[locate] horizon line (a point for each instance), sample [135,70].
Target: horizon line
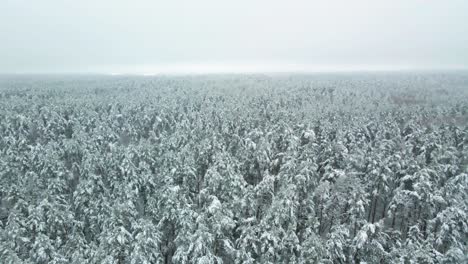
[217,69]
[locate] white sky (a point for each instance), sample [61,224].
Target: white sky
[104,36]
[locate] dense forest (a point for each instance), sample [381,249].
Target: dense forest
[325,168]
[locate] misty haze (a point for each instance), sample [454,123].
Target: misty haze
[233,132]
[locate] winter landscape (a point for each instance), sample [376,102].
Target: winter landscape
[233,132]
[287,168]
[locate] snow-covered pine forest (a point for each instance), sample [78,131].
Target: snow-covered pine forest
[344,168]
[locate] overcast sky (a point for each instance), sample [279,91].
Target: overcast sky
[120,36]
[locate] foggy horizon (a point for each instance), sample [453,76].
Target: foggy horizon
[147,37]
[248,68]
